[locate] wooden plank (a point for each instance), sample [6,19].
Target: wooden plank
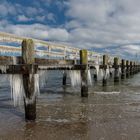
[19,69]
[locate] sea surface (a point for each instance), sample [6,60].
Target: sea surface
[109,113]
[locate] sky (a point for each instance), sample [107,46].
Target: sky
[106,26]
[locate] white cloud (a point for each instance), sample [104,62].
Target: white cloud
[23,18]
[92,23]
[38,31]
[103,23]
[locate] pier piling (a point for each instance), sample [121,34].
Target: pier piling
[131,68]
[123,69]
[29,80]
[84,75]
[116,67]
[64,78]
[127,69]
[105,63]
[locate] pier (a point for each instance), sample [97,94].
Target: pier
[27,57]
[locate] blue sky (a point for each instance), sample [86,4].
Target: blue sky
[108,26]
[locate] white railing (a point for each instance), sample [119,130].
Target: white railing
[51,49]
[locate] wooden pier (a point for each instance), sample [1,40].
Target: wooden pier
[31,59]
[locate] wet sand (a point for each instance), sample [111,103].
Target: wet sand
[63,115]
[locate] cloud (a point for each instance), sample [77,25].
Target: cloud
[38,31]
[104,25]
[23,18]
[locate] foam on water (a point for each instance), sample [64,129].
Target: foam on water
[112,92]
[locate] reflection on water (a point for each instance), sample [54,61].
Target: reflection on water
[109,113]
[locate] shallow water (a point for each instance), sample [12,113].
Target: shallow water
[109,113]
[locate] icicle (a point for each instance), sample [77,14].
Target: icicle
[100,74]
[106,73]
[37,90]
[75,77]
[14,60]
[17,90]
[43,78]
[3,68]
[97,69]
[89,78]
[120,71]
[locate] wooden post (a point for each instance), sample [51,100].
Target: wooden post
[29,80]
[116,72]
[84,75]
[127,69]
[131,68]
[105,63]
[123,70]
[64,78]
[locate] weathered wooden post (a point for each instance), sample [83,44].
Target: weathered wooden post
[116,72]
[105,63]
[123,69]
[29,80]
[64,78]
[131,68]
[127,69]
[136,68]
[84,75]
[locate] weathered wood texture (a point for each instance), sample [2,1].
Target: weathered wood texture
[64,78]
[84,76]
[127,68]
[123,69]
[116,72]
[131,68]
[29,80]
[105,63]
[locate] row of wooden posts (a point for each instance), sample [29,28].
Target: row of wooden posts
[30,68]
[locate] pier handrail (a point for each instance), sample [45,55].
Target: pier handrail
[51,49]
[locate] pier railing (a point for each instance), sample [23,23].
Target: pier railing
[50,49]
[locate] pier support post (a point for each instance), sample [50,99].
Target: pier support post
[84,73]
[64,78]
[123,69]
[105,63]
[127,69]
[116,72]
[131,68]
[29,80]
